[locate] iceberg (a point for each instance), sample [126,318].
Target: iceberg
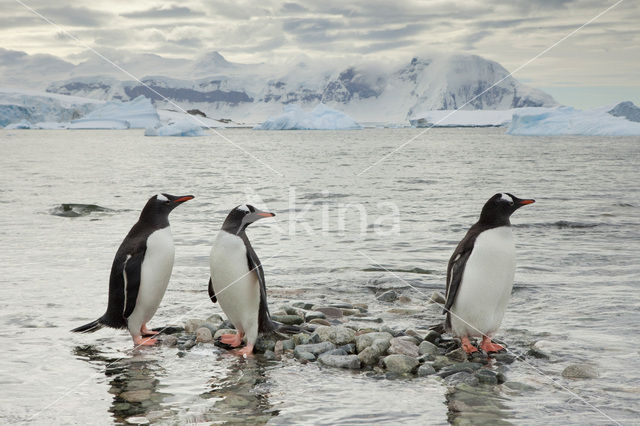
[320,118]
[136,114]
[570,121]
[469,118]
[22,124]
[184,127]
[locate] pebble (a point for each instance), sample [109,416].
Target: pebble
[187,345]
[288,319]
[440,362]
[169,341]
[300,339]
[413,333]
[370,319]
[401,364]
[432,336]
[136,395]
[349,348]
[461,377]
[427,348]
[404,347]
[329,311]
[342,305]
[580,371]
[316,348]
[320,321]
[215,319]
[264,344]
[362,307]
[519,386]
[468,367]
[191,325]
[340,361]
[371,354]
[203,334]
[301,355]
[426,370]
[348,312]
[288,345]
[270,355]
[303,305]
[487,376]
[293,311]
[314,315]
[137,420]
[338,335]
[457,355]
[366,340]
[388,296]
[437,297]
[503,358]
[212,327]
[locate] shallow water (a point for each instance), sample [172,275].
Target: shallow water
[577,290]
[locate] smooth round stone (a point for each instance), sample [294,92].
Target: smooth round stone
[338,335]
[388,296]
[487,376]
[440,362]
[215,319]
[340,361]
[169,341]
[187,345]
[320,321]
[203,334]
[367,339]
[503,358]
[269,355]
[404,347]
[523,387]
[432,336]
[136,395]
[293,311]
[137,420]
[437,297]
[343,305]
[288,319]
[301,355]
[401,364]
[461,377]
[329,311]
[212,327]
[121,406]
[191,325]
[300,339]
[580,371]
[314,315]
[264,344]
[457,355]
[427,348]
[303,305]
[426,370]
[348,312]
[316,348]
[371,354]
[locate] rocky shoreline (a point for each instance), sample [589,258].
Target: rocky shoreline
[343,335]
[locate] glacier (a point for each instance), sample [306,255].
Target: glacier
[320,118]
[184,127]
[571,121]
[466,118]
[135,114]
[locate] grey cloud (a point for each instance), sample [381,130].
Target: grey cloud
[76,16]
[158,12]
[292,8]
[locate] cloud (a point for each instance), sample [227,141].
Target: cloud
[161,12]
[76,16]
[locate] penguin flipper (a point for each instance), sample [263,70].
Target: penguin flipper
[265,324]
[132,272]
[455,269]
[212,293]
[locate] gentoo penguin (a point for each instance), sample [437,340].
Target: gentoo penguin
[237,279]
[480,275]
[140,271]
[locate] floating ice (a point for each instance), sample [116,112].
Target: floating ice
[184,127]
[320,118]
[469,118]
[138,113]
[570,121]
[22,124]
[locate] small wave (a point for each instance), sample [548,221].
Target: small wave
[561,224]
[415,270]
[77,210]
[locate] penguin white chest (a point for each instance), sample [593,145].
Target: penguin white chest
[236,287]
[486,284]
[155,273]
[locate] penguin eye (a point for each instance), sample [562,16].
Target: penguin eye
[511,203]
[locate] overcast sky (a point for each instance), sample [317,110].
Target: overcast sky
[599,64]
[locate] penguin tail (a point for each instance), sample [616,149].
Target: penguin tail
[90,327]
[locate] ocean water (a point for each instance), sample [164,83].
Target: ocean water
[340,235]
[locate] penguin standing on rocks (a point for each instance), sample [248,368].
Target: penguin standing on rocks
[140,272]
[480,275]
[237,279]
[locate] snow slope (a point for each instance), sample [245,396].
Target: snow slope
[138,113]
[368,92]
[320,118]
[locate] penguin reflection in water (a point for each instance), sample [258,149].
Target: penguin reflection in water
[140,272]
[480,275]
[237,279]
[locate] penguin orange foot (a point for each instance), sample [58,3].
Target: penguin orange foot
[234,340]
[246,351]
[146,332]
[488,346]
[468,346]
[144,341]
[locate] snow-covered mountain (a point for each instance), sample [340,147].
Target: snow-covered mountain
[368,92]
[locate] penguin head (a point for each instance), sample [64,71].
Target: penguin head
[500,207]
[242,216]
[159,206]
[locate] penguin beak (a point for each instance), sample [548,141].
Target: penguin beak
[525,202]
[259,214]
[183,198]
